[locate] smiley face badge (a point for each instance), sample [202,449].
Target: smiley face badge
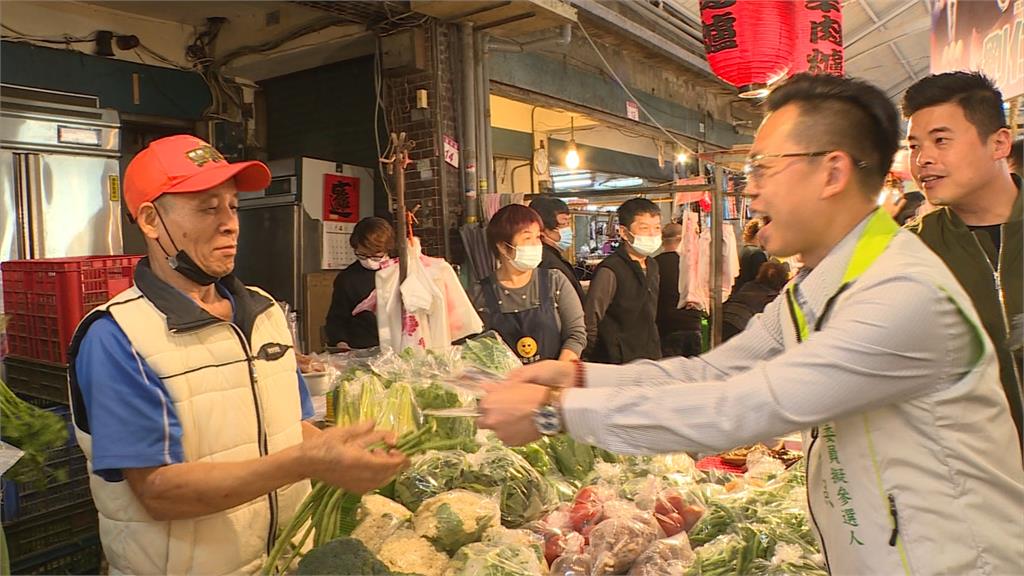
[526,347]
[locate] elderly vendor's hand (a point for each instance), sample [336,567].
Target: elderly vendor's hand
[341,457]
[508,407]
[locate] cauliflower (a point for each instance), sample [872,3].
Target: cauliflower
[520,538]
[407,553]
[378,519]
[453,519]
[496,559]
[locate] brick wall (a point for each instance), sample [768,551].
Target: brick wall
[423,182]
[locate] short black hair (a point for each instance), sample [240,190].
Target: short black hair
[844,114]
[629,210]
[549,209]
[973,92]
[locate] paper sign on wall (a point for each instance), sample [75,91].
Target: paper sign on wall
[632,110]
[341,198]
[451,152]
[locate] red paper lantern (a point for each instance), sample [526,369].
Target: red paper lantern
[819,37]
[749,43]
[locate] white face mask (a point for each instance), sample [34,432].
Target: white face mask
[526,257]
[645,245]
[372,263]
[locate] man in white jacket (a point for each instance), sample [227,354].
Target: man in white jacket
[874,351]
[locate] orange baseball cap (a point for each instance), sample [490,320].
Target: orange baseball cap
[182,164]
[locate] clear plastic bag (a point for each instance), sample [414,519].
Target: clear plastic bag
[559,538]
[428,475]
[490,558]
[517,537]
[456,518]
[581,564]
[617,542]
[378,520]
[665,557]
[525,494]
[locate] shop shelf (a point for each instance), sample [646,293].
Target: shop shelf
[47,298]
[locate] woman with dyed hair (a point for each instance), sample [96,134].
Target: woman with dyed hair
[536,311]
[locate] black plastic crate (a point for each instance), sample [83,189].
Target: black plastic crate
[83,556]
[37,380]
[70,481]
[58,527]
[23,501]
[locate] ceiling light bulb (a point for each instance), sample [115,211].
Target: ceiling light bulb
[681,157]
[572,156]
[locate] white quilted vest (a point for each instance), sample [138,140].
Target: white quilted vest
[931,485]
[232,407]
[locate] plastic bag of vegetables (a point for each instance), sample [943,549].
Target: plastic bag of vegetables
[516,537]
[456,518]
[378,519]
[665,557]
[573,564]
[488,352]
[406,553]
[435,395]
[559,537]
[789,559]
[428,475]
[525,494]
[574,459]
[396,410]
[495,559]
[617,542]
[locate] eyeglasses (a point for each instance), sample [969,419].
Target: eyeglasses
[755,172]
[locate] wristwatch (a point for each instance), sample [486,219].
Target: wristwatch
[548,418]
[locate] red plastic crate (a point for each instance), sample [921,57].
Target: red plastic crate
[47,298]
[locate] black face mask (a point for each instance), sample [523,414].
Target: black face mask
[182,263]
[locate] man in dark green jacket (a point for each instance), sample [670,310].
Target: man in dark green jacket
[959,143]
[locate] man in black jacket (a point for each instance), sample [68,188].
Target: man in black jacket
[959,142]
[680,328]
[556,237]
[622,302]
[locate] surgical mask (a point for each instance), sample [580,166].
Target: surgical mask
[526,257]
[645,245]
[182,263]
[564,238]
[371,263]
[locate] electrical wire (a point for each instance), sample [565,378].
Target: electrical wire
[378,105]
[622,85]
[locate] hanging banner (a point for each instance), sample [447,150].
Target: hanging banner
[987,36]
[819,37]
[341,198]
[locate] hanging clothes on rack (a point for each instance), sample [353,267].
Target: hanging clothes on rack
[695,263]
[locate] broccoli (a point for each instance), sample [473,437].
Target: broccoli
[344,556]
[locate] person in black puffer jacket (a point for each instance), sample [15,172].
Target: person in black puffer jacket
[752,297]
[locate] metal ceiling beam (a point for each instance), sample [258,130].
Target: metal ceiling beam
[888,37]
[880,23]
[877,23]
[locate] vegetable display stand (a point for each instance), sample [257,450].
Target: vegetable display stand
[47,298]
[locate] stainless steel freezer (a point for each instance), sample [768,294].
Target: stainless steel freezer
[60,190]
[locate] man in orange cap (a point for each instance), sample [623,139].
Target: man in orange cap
[185,392]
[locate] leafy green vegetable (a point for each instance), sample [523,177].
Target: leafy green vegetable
[35,432]
[429,475]
[525,494]
[436,396]
[538,457]
[344,556]
[490,353]
[573,459]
